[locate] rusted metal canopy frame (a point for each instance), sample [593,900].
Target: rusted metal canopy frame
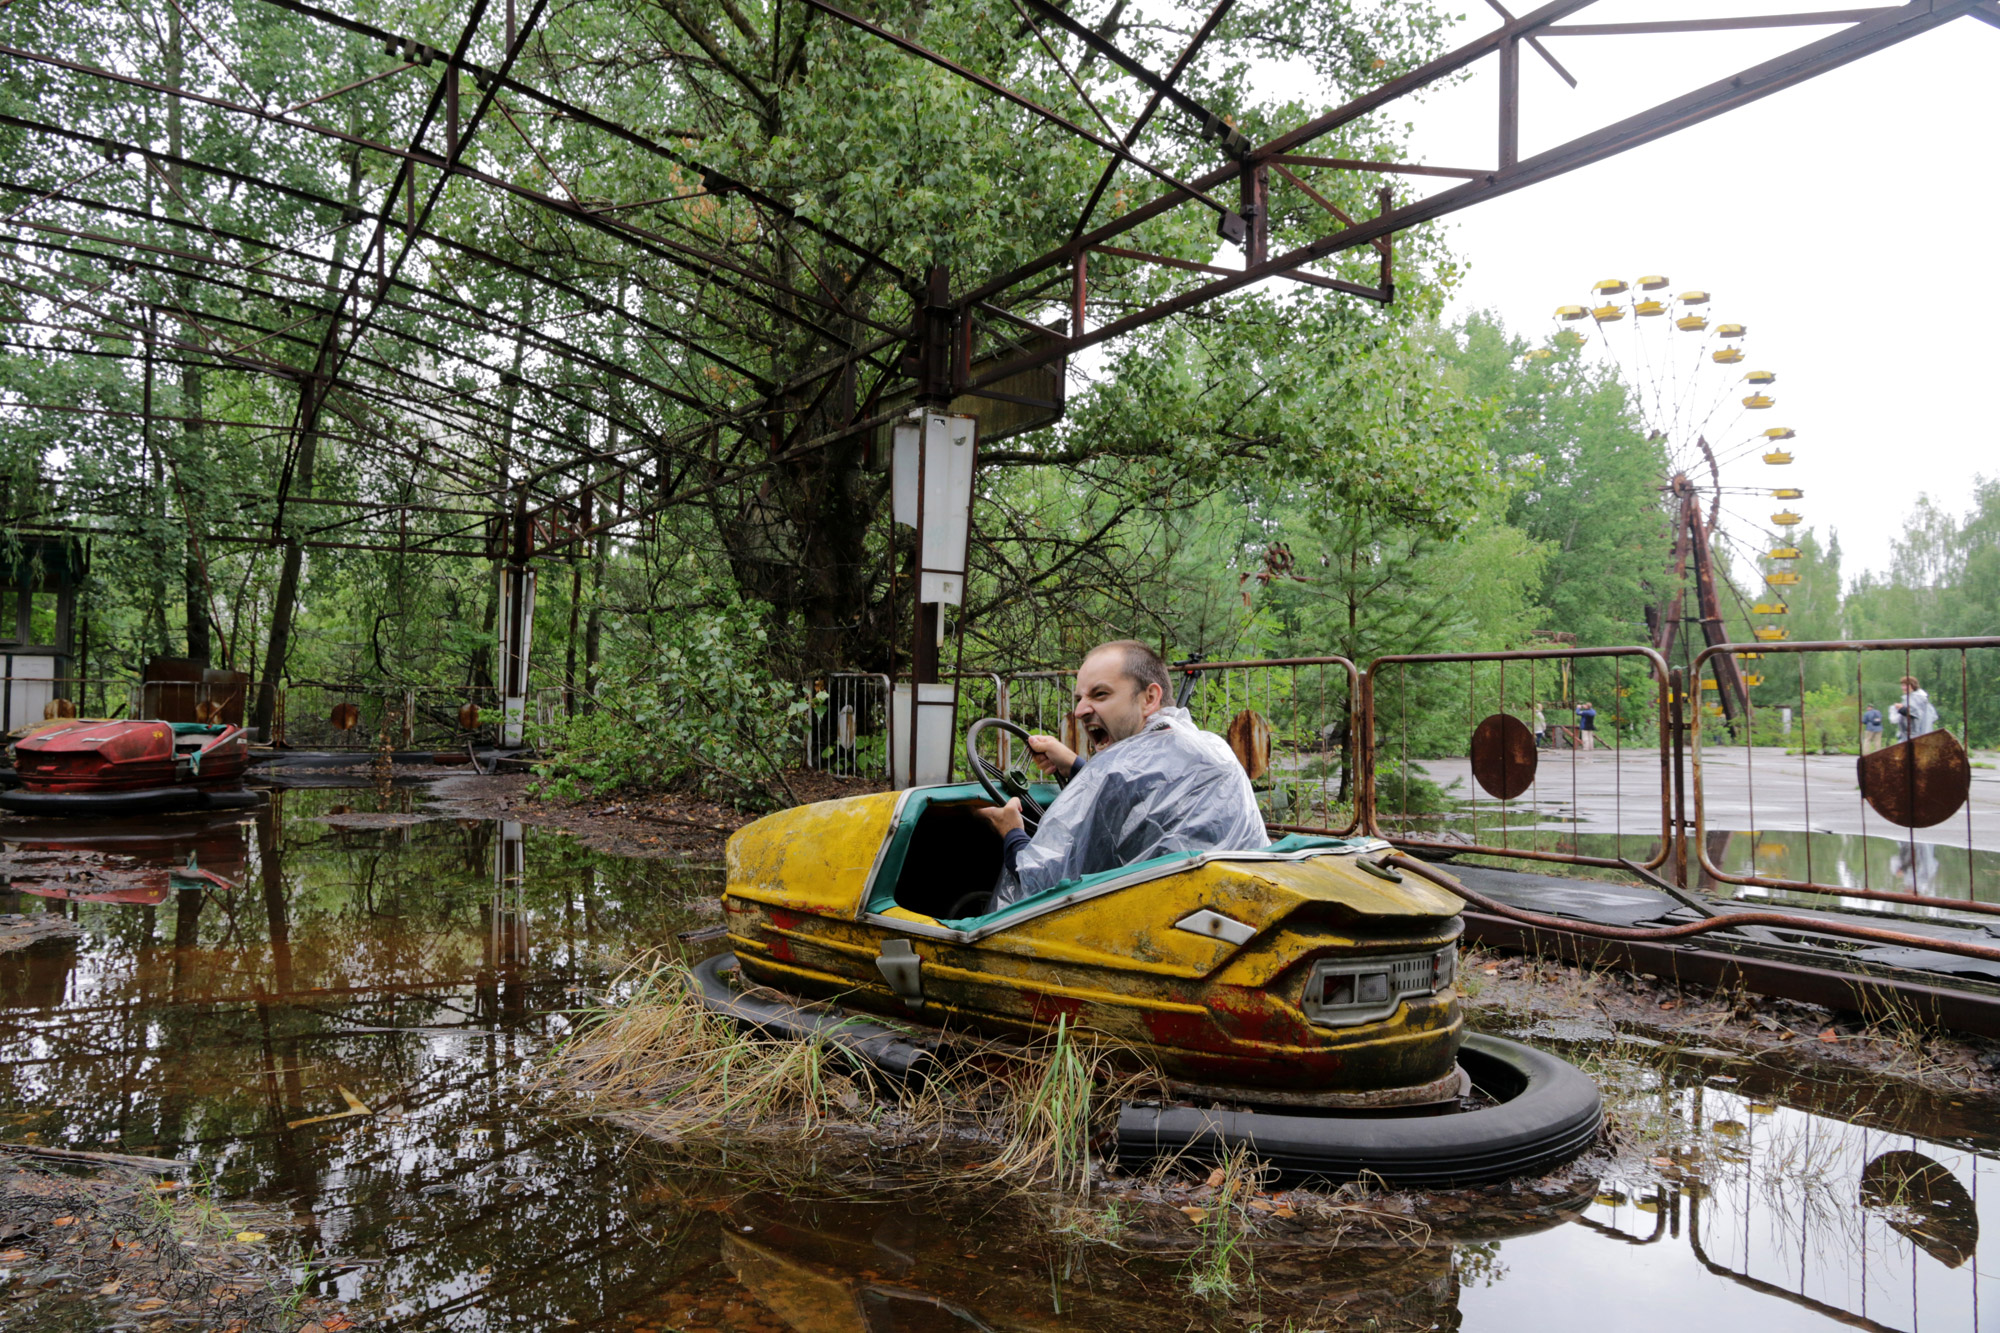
[355,272]
[1655,664]
[692,261]
[1885,28]
[418,403]
[1871,30]
[471,318]
[206,358]
[1808,885]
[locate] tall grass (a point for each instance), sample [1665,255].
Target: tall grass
[662,1060]
[663,1057]
[1221,1266]
[1051,1106]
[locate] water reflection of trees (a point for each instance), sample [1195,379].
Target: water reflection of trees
[386,961]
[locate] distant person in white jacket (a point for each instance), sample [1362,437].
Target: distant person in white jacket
[1156,784]
[1920,716]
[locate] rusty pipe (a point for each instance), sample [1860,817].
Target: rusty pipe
[1784,920]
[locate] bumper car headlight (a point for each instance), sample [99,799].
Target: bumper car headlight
[1343,992]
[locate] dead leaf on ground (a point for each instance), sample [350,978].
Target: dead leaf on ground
[1215,1177]
[12,1256]
[1284,1210]
[150,1303]
[249,1237]
[62,1221]
[1261,1206]
[1195,1214]
[355,1106]
[1829,1035]
[109,1289]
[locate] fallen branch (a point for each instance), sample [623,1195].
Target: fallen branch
[158,1165]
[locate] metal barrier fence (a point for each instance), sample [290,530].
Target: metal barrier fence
[852,729]
[1802,797]
[1289,721]
[1512,805]
[318,716]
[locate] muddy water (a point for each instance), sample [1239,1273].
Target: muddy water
[338,1019]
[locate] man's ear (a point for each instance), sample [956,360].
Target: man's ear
[1156,698]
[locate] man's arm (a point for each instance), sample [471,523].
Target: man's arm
[1006,821]
[1052,756]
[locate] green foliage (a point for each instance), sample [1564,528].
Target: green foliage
[1943,580]
[704,716]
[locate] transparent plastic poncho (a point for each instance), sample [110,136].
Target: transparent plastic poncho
[1170,788]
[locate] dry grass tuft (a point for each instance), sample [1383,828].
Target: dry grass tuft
[662,1061]
[663,1057]
[1053,1098]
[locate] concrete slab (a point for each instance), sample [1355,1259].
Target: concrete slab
[1742,789]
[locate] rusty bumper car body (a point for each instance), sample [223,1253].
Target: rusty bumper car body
[1298,974]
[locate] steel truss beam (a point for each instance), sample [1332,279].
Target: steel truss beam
[929,352]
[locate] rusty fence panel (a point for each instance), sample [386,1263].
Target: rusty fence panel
[1288,719]
[319,716]
[359,717]
[1801,800]
[852,728]
[1503,734]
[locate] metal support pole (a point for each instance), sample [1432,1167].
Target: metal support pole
[1677,725]
[517,626]
[1254,197]
[1510,103]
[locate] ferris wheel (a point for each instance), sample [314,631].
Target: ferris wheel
[1709,406]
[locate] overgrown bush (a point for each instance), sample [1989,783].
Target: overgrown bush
[1400,790]
[703,716]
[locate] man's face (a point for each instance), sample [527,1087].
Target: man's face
[1109,706]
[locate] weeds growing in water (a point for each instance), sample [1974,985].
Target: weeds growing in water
[1221,1267]
[1050,1108]
[679,1067]
[668,1063]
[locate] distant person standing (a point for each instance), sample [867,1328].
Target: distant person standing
[1871,729]
[1919,715]
[1541,729]
[1586,724]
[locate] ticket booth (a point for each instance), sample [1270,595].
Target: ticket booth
[37,620]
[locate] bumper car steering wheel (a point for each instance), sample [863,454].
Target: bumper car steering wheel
[1003,786]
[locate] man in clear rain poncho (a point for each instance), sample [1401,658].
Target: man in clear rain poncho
[1156,783]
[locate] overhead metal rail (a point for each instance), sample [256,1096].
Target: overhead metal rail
[684,418]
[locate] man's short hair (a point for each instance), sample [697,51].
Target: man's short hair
[1143,666]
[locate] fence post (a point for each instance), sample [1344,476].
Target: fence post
[409,718]
[1677,724]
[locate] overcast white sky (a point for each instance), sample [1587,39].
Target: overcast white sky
[1849,221]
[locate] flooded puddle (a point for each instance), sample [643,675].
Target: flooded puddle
[335,1008]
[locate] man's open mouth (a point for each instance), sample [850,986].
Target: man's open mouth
[1098,735]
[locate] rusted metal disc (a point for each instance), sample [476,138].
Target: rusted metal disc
[1503,756]
[1925,1202]
[345,716]
[1250,739]
[468,718]
[1919,782]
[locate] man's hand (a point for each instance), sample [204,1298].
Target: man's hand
[1004,818]
[1051,755]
